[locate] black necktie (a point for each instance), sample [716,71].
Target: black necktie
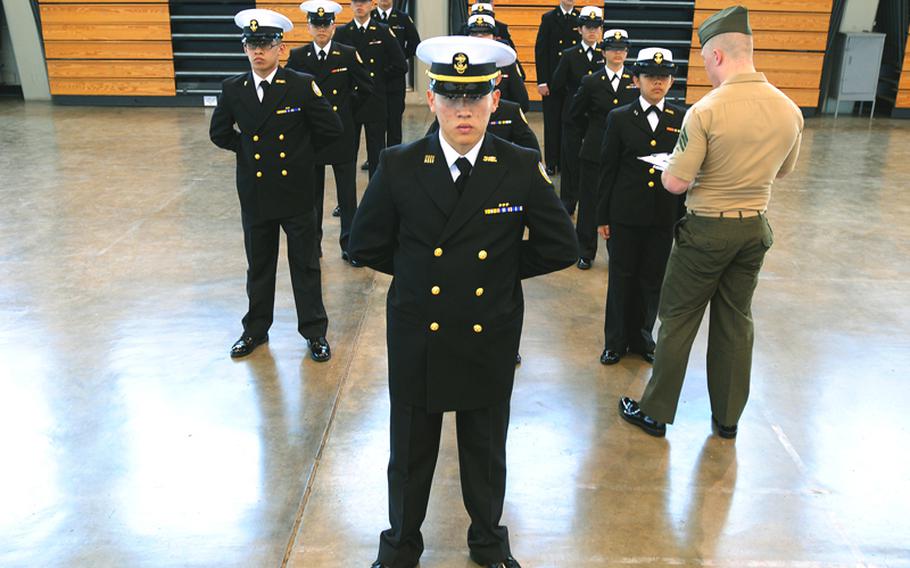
[464,166]
[590,53]
[384,17]
[653,109]
[265,89]
[363,30]
[321,56]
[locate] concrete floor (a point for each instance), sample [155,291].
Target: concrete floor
[129,438]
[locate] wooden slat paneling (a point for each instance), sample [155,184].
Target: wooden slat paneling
[96,69]
[121,87]
[783,40]
[802,97]
[903,93]
[102,47]
[777,21]
[769,5]
[774,60]
[903,99]
[108,49]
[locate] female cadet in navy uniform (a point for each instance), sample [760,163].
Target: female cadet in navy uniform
[636,214]
[445,216]
[608,88]
[280,113]
[576,62]
[344,81]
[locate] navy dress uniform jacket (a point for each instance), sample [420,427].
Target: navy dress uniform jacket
[405,32]
[509,123]
[631,192]
[593,101]
[345,83]
[275,144]
[455,305]
[383,58]
[512,86]
[573,67]
[555,34]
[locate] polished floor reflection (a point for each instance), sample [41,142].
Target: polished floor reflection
[130,438]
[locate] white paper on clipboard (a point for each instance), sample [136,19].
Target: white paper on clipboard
[660,161]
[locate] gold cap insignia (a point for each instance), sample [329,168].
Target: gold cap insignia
[320,12]
[617,36]
[460,63]
[254,25]
[658,58]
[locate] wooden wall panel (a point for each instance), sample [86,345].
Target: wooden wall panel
[903,88]
[106,47]
[790,38]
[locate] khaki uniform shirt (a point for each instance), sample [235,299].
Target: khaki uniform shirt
[734,142]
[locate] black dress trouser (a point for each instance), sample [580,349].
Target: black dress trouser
[552,129]
[415,437]
[260,239]
[638,259]
[569,164]
[346,194]
[394,114]
[588,197]
[375,134]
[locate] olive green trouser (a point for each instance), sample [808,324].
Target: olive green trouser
[717,261]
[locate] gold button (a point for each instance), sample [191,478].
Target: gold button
[437,252]
[259,174]
[615,101]
[435,290]
[255,138]
[560,41]
[653,142]
[335,108]
[650,184]
[372,60]
[372,74]
[589,71]
[334,91]
[651,171]
[482,255]
[256,156]
[281,136]
[282,155]
[285,172]
[478,328]
[434,326]
[478,292]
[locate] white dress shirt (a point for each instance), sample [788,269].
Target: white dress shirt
[614,77]
[451,154]
[653,119]
[326,49]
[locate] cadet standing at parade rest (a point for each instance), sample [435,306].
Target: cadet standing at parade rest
[445,216]
[281,115]
[343,80]
[608,88]
[404,30]
[734,143]
[636,214]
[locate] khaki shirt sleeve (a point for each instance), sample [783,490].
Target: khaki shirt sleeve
[691,148]
[790,162]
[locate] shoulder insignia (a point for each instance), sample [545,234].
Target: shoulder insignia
[359,60]
[625,76]
[280,81]
[316,90]
[336,53]
[603,77]
[670,111]
[429,159]
[491,159]
[523,117]
[410,19]
[518,71]
[245,83]
[392,32]
[543,172]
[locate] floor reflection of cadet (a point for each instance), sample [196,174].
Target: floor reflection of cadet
[344,81]
[446,215]
[599,93]
[405,32]
[511,82]
[280,114]
[576,62]
[384,60]
[734,143]
[558,30]
[636,214]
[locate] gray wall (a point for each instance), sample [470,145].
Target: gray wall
[9,74]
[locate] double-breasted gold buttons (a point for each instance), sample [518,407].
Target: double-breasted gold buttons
[259,174]
[435,290]
[434,326]
[282,155]
[281,136]
[478,328]
[256,156]
[650,184]
[478,292]
[653,142]
[482,255]
[437,252]
[255,138]
[284,172]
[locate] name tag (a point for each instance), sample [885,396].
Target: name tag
[287,110]
[502,210]
[339,70]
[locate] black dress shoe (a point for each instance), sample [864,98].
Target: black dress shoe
[365,166]
[507,563]
[319,349]
[632,414]
[728,432]
[245,345]
[518,358]
[609,357]
[347,258]
[648,356]
[336,212]
[584,263]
